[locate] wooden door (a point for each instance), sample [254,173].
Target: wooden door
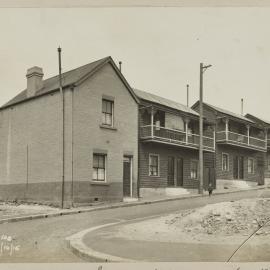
[260,168]
[179,173]
[127,177]
[170,179]
[238,167]
[235,167]
[241,167]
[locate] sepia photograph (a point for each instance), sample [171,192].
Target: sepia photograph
[135,134]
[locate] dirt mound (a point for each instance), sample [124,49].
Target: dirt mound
[227,218]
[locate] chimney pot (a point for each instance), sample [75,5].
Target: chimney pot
[34,80]
[120,66]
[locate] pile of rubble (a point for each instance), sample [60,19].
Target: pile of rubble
[225,222]
[241,217]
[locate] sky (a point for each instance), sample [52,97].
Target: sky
[161,50]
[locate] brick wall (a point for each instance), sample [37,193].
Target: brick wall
[33,125]
[30,151]
[89,137]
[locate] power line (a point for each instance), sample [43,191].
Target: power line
[248,239]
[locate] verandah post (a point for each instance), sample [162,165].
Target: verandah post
[248,127]
[214,138]
[186,128]
[152,122]
[226,128]
[266,139]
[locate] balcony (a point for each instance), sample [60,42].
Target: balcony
[175,137]
[241,140]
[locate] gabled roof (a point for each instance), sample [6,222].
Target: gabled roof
[69,78]
[223,111]
[164,101]
[258,119]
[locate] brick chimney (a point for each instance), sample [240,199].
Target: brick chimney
[34,80]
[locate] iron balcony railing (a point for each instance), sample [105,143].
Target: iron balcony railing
[240,139]
[174,136]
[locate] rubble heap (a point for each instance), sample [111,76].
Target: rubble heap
[230,218]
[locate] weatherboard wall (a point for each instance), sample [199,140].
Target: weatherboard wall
[164,152]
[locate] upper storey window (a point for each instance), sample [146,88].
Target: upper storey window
[107,112]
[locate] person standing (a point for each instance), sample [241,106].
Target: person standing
[210,189]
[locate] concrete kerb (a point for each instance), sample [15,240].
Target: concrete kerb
[114,206]
[77,246]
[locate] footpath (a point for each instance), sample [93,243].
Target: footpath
[14,212]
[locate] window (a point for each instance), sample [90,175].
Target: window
[225,162]
[107,112]
[194,169]
[153,165]
[99,167]
[251,165]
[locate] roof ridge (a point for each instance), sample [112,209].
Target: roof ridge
[71,70]
[226,110]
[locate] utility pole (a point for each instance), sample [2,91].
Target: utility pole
[200,188]
[62,127]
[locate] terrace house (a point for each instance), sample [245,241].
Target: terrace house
[240,146]
[265,124]
[168,146]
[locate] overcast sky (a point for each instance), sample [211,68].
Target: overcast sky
[161,49]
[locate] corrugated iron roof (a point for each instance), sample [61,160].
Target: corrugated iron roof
[235,115]
[164,101]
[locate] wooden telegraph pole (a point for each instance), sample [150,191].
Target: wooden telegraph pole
[200,188]
[62,127]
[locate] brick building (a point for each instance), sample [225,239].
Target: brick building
[240,146]
[168,146]
[101,137]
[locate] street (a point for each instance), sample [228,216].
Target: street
[43,240]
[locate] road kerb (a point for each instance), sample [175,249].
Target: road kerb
[107,207]
[75,243]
